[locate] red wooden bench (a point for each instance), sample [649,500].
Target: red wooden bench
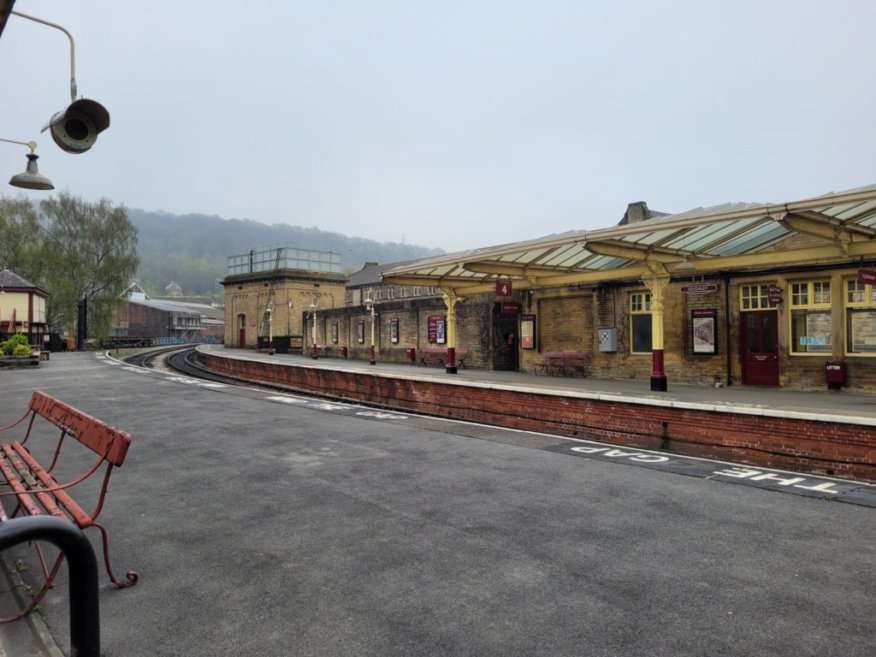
[563,363]
[438,356]
[34,488]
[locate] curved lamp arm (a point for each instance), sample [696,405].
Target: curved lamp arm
[72,48]
[30,144]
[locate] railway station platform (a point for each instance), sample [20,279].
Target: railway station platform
[820,431]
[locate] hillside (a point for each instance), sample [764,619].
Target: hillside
[192,250]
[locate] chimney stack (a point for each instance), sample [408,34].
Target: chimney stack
[635,213]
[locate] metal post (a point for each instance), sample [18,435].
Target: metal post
[314,351]
[82,324]
[373,352]
[84,601]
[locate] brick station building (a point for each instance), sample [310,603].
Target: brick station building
[780,294]
[739,294]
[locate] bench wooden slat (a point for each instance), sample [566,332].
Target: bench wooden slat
[52,500]
[98,436]
[12,473]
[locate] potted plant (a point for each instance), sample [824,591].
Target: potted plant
[17,352]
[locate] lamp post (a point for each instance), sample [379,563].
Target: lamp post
[31,177]
[269,311]
[314,304]
[369,305]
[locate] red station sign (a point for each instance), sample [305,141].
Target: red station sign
[504,287]
[699,288]
[774,295]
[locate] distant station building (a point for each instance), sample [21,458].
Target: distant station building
[141,319]
[274,296]
[22,308]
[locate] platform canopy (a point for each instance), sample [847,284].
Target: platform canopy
[837,227]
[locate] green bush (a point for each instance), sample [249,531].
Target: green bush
[19,339]
[21,350]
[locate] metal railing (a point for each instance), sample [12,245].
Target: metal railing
[84,602]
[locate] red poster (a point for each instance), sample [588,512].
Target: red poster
[437,326]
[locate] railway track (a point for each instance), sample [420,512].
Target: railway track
[184,361]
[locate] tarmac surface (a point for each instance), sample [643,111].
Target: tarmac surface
[367,534]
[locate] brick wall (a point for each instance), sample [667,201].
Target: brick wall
[794,444]
[567,319]
[473,329]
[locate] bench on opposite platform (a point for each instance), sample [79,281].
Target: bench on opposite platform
[438,356]
[563,363]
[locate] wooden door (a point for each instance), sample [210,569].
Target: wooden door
[760,348]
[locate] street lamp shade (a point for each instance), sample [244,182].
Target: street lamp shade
[31,178]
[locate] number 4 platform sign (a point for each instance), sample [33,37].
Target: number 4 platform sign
[504,287]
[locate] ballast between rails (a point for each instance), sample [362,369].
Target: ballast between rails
[184,361]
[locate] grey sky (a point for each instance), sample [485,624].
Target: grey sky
[449,124]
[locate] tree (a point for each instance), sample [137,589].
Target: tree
[89,252]
[19,237]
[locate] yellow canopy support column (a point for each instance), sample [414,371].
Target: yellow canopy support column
[450,300]
[656,283]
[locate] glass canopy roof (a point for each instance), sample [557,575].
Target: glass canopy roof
[706,239]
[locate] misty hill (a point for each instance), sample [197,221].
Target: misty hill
[193,249]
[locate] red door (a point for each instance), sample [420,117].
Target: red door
[241,331]
[760,348]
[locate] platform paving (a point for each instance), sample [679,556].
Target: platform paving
[71,376]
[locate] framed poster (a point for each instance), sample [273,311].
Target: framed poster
[360,331]
[437,329]
[704,331]
[393,330]
[335,332]
[527,331]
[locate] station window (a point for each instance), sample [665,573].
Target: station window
[754,297]
[640,322]
[860,302]
[811,323]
